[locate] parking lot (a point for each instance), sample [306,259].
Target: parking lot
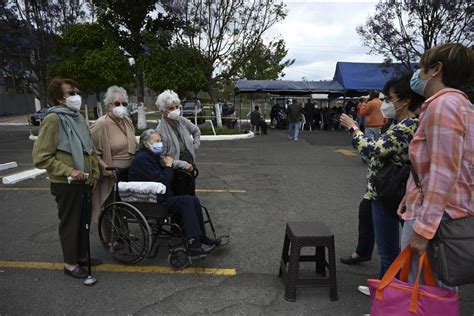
[252,189]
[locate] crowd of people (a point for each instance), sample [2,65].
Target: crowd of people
[78,160]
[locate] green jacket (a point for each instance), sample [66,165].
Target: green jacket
[57,163]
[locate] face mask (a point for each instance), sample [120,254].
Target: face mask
[74,102]
[418,85]
[157,148]
[388,109]
[119,111]
[174,114]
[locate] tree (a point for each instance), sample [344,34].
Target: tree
[89,55]
[227,33]
[179,68]
[403,30]
[134,25]
[266,62]
[31,28]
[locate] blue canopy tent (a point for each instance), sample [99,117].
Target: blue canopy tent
[285,87]
[357,78]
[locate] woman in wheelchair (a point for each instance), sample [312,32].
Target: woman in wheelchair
[150,165]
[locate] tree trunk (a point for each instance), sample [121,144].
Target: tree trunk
[141,124]
[100,111]
[211,89]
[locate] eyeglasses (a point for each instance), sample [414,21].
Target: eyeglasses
[125,104]
[73,92]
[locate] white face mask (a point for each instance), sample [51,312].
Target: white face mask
[388,109]
[174,115]
[74,102]
[119,111]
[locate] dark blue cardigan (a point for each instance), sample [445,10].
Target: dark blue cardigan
[146,167]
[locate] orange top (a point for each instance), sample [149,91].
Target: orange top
[372,113]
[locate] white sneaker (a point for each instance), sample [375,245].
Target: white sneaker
[364,290]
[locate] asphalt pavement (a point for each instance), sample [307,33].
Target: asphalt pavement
[251,187]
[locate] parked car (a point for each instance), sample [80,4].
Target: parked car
[192,107]
[38,116]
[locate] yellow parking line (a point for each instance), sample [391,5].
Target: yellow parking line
[224,163]
[118,268]
[24,189]
[221,191]
[346,152]
[197,190]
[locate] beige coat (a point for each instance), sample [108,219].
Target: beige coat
[101,144]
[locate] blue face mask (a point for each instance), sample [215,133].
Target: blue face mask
[418,85]
[157,148]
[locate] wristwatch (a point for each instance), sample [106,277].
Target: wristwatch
[353,129]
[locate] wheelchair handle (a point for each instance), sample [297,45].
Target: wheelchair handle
[195,173]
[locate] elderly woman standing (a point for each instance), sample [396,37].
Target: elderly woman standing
[441,152]
[114,139]
[64,148]
[181,138]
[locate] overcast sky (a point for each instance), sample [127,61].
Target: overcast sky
[320,33]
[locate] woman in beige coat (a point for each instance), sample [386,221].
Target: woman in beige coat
[114,139]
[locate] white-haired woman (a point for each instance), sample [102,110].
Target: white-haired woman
[181,138]
[114,139]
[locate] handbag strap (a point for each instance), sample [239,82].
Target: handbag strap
[417,182]
[430,280]
[402,263]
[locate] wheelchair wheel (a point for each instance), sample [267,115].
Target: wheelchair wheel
[178,258]
[124,232]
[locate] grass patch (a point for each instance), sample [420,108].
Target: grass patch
[219,131]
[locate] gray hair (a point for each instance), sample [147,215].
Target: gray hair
[145,138]
[112,91]
[166,99]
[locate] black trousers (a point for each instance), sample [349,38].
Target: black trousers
[72,220]
[188,209]
[366,239]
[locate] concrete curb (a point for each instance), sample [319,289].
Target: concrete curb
[13,124]
[227,137]
[28,174]
[8,165]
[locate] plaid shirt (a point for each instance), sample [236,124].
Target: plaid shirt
[442,153]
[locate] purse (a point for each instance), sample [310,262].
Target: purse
[393,297]
[451,250]
[390,183]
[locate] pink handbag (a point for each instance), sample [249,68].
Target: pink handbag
[391,296]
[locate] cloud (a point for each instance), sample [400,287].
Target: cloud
[318,34]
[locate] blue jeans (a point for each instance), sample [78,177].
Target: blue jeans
[294,130]
[387,235]
[372,132]
[407,233]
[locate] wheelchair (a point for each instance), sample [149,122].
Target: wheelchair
[132,231]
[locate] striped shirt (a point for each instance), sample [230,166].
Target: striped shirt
[442,153]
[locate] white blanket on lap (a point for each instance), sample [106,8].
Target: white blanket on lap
[140,191]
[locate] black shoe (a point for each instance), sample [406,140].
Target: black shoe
[354,260]
[77,273]
[210,241]
[94,262]
[198,249]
